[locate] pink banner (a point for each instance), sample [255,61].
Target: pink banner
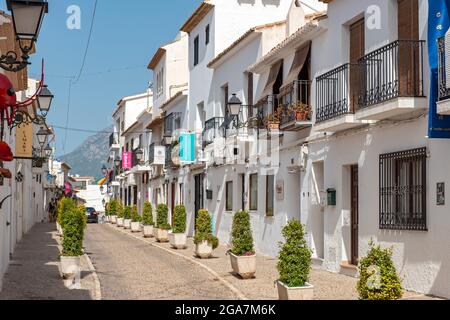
[127,160]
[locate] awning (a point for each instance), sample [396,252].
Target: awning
[273,75]
[301,55]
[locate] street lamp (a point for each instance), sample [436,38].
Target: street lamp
[102,189]
[48,151]
[117,162]
[234,105]
[27,16]
[42,136]
[44,101]
[104,170]
[139,155]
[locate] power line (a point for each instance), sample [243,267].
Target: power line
[95,131]
[88,42]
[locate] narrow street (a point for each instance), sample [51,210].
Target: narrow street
[132,270]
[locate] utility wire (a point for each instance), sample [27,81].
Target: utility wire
[95,131]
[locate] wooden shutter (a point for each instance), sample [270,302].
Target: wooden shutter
[408,51]
[357,51]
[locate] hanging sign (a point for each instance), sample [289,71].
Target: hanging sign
[24,141]
[187,147]
[127,160]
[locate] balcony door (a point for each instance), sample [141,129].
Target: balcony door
[357,51]
[408,56]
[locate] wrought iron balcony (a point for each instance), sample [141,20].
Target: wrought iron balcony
[295,102]
[444,70]
[170,123]
[212,130]
[247,119]
[113,139]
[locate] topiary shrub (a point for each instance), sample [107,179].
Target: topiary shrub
[74,225]
[64,205]
[378,277]
[179,219]
[203,230]
[294,264]
[127,212]
[135,215]
[162,213]
[120,210]
[241,234]
[112,207]
[107,213]
[147,215]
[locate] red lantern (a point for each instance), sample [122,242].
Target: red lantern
[7,98]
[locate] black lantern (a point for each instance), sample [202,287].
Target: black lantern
[102,189]
[117,162]
[167,140]
[48,151]
[234,105]
[104,170]
[42,136]
[104,202]
[27,18]
[139,155]
[44,101]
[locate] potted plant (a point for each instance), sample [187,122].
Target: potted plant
[379,279]
[74,222]
[147,220]
[112,210]
[107,216]
[162,227]
[177,237]
[242,253]
[301,111]
[127,217]
[294,264]
[64,205]
[272,121]
[205,241]
[136,220]
[120,215]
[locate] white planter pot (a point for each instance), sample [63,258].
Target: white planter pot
[299,293]
[178,240]
[244,266]
[114,219]
[135,227]
[203,250]
[70,266]
[127,223]
[120,222]
[162,235]
[148,231]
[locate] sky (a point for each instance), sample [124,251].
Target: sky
[124,38]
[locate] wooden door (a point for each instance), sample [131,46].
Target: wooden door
[198,202]
[354,215]
[172,201]
[408,55]
[357,51]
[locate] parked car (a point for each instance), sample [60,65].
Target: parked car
[92,215]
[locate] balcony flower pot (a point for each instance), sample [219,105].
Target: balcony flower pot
[127,223]
[203,250]
[135,227]
[114,219]
[178,240]
[70,266]
[244,266]
[148,231]
[162,235]
[273,125]
[295,293]
[301,116]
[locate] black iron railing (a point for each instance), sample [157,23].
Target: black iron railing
[444,86]
[395,70]
[333,93]
[114,139]
[247,119]
[295,101]
[266,106]
[212,130]
[171,124]
[134,160]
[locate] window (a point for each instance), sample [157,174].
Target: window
[229,196]
[207,35]
[403,190]
[254,192]
[225,100]
[270,193]
[196,50]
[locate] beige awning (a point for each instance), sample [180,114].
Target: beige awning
[273,75]
[297,65]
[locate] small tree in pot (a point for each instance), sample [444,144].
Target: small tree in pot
[127,217]
[162,225]
[177,237]
[136,220]
[242,253]
[112,210]
[64,206]
[147,220]
[120,214]
[294,265]
[205,241]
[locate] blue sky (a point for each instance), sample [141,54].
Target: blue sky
[125,36]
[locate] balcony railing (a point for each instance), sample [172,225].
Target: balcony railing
[151,153]
[295,101]
[212,130]
[113,139]
[395,70]
[134,160]
[444,70]
[247,119]
[170,124]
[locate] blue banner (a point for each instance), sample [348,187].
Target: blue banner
[438,25]
[187,147]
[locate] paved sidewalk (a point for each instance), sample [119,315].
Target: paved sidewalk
[34,274]
[328,286]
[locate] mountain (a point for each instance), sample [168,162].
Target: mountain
[89,157]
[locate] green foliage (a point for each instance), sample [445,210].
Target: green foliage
[64,205]
[120,210]
[203,230]
[179,219]
[378,277]
[113,207]
[74,220]
[241,234]
[147,215]
[107,209]
[127,212]
[294,263]
[162,213]
[135,215]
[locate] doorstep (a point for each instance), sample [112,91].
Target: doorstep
[349,269]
